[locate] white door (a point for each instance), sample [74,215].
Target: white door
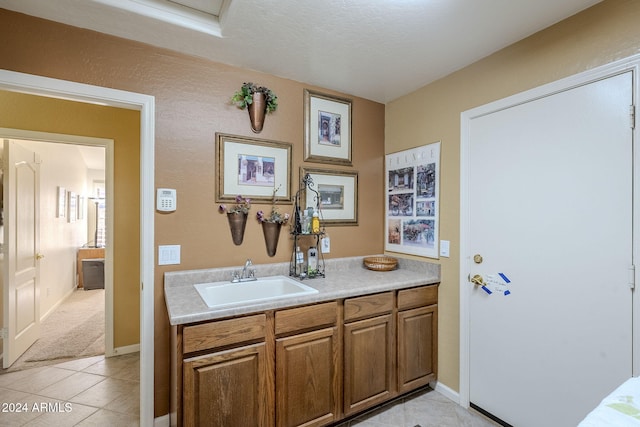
[550,215]
[21,216]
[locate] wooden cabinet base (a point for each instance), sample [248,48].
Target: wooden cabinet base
[417,356]
[305,366]
[216,392]
[306,379]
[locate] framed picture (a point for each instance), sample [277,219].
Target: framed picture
[327,128]
[337,192]
[412,201]
[62,203]
[73,207]
[253,168]
[81,207]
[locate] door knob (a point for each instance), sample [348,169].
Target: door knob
[39,256]
[477,280]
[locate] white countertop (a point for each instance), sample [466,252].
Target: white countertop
[345,277]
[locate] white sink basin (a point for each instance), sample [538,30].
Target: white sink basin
[224,294]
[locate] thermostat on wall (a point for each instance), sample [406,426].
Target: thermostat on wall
[166,200]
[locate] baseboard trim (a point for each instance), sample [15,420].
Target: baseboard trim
[163,421]
[446,391]
[56,305]
[119,351]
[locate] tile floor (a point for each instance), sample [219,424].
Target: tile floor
[94,391]
[426,408]
[97,391]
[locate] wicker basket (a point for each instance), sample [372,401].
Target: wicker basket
[380,263]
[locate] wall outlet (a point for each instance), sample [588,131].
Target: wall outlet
[444,248]
[325,246]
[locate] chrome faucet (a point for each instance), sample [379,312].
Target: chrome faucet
[247,274]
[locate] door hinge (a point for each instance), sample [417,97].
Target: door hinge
[4,333]
[632,277]
[632,115]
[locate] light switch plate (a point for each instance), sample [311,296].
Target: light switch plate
[444,248]
[168,254]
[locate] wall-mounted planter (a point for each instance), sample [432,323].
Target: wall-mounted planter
[237,224]
[259,100]
[271,231]
[257,111]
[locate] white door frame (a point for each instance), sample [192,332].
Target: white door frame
[145,104]
[628,64]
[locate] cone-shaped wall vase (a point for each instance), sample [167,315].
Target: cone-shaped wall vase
[257,111]
[271,231]
[237,223]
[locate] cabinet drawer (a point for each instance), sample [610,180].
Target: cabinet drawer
[367,306]
[223,332]
[301,318]
[417,297]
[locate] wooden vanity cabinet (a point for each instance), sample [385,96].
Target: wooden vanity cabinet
[305,366]
[369,351]
[226,378]
[308,375]
[417,337]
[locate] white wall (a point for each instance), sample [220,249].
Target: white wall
[62,165]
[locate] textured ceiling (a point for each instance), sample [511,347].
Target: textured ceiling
[375,49]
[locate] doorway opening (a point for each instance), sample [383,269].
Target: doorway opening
[74,288]
[145,106]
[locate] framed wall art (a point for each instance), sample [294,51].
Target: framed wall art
[73,207]
[327,128]
[253,168]
[412,201]
[61,208]
[338,193]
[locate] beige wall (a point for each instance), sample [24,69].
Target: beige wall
[191,99]
[599,35]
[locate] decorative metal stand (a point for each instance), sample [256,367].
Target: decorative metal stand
[301,235]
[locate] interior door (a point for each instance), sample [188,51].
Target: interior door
[21,225]
[550,220]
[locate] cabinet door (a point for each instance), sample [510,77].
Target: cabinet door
[369,363]
[228,389]
[417,347]
[307,381]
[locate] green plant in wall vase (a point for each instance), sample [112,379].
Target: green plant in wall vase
[258,100]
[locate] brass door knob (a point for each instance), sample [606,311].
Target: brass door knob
[477,280]
[39,256]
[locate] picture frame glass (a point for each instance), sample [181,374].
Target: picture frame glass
[337,193]
[253,168]
[327,129]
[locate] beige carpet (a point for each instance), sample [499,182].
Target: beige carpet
[74,330]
